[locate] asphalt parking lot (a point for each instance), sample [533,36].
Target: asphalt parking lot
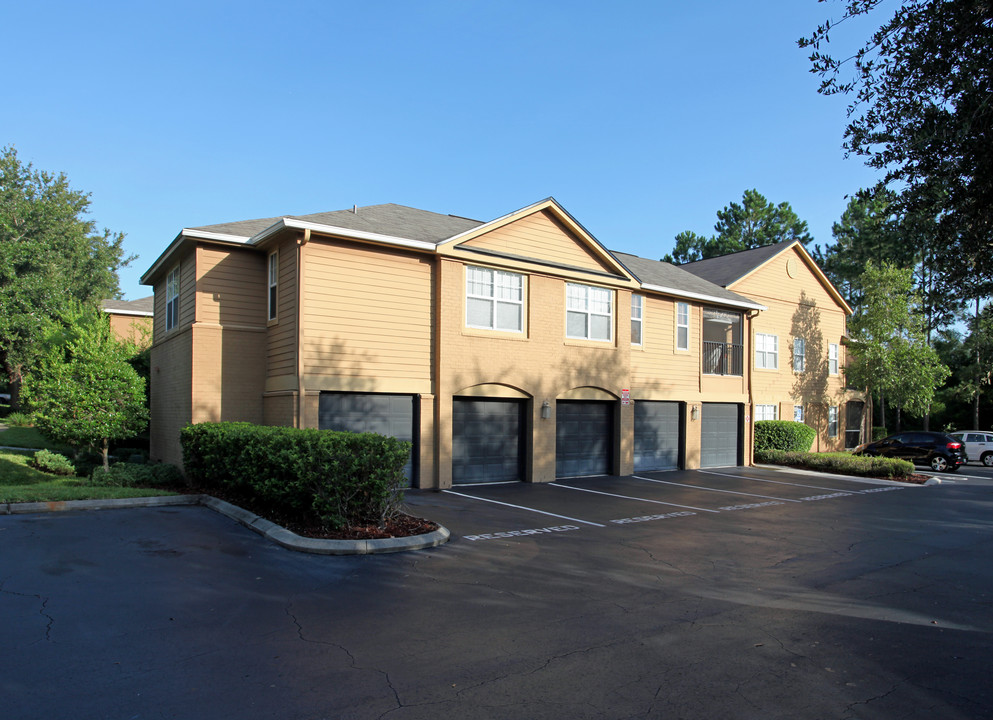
[744,593]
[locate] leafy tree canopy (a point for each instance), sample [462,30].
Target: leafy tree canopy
[51,255]
[921,90]
[756,222]
[84,391]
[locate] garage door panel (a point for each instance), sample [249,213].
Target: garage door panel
[487,442]
[583,438]
[390,415]
[720,432]
[657,435]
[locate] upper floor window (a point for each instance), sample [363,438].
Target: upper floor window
[494,299]
[722,348]
[766,351]
[765,412]
[637,318]
[682,326]
[273,283]
[833,359]
[799,355]
[172,298]
[589,312]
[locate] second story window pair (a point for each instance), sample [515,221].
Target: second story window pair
[494,299]
[589,312]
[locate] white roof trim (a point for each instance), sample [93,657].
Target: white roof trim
[205,235]
[701,296]
[335,230]
[139,313]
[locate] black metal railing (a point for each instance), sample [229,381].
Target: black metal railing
[722,358]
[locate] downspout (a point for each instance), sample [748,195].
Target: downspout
[750,315]
[301,391]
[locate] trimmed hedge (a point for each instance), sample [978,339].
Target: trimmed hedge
[842,463]
[127,474]
[53,463]
[344,479]
[784,435]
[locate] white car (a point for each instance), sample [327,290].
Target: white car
[978,445]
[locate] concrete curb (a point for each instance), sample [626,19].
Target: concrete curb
[855,478]
[269,530]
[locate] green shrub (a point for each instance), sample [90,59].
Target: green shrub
[131,455]
[783,435]
[842,463]
[126,474]
[86,462]
[53,463]
[342,479]
[878,433]
[19,419]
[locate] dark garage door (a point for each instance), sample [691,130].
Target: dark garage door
[584,434]
[657,437]
[391,415]
[720,433]
[486,440]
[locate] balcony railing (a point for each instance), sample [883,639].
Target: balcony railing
[722,358]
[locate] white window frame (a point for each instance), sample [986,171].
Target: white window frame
[763,411]
[503,285]
[798,413]
[172,298]
[580,303]
[799,355]
[638,319]
[833,421]
[766,358]
[833,359]
[682,323]
[273,295]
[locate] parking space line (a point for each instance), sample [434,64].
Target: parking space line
[778,482]
[699,487]
[521,507]
[628,497]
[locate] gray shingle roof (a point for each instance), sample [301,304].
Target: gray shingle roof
[656,272]
[725,269]
[141,305]
[389,219]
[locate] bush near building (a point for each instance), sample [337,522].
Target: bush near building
[340,479]
[841,463]
[785,435]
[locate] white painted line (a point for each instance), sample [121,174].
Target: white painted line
[521,507]
[780,482]
[503,482]
[700,487]
[628,497]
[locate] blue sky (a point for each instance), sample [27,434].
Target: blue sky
[641,118]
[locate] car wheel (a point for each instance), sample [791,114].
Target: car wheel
[939,463]
[987,459]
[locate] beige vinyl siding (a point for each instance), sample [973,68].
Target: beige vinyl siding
[281,337]
[658,366]
[368,318]
[542,237]
[231,287]
[187,295]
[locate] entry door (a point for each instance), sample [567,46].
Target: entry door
[487,443]
[720,435]
[657,435]
[390,415]
[584,433]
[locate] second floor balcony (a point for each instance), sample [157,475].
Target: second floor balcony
[722,358]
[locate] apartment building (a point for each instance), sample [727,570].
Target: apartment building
[514,349]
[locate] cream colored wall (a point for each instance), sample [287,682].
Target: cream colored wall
[799,306]
[281,335]
[170,395]
[131,328]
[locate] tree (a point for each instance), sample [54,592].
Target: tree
[84,392]
[978,373]
[920,110]
[890,356]
[50,255]
[756,222]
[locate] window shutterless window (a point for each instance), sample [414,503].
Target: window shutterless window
[494,299]
[637,318]
[766,351]
[172,298]
[832,359]
[682,326]
[589,312]
[273,284]
[799,355]
[765,412]
[833,421]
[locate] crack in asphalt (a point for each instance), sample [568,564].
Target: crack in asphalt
[850,708]
[43,611]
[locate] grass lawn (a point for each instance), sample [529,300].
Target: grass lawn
[19,482]
[28,437]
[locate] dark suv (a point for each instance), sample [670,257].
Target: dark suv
[939,450]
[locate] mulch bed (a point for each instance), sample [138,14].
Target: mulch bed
[402,525]
[916,479]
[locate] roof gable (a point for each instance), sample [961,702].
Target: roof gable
[727,269]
